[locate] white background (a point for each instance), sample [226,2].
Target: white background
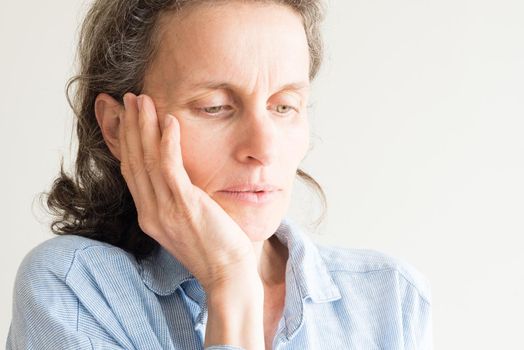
[418,122]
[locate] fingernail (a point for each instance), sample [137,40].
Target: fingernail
[124,100]
[139,103]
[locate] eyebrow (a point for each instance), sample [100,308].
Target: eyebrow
[214,85]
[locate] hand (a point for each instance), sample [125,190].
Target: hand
[181,217]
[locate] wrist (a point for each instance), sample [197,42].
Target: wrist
[233,280]
[235,314]
[236,292]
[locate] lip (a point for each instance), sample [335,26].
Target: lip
[251,197]
[248,187]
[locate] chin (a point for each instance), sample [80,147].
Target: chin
[260,233]
[257,226]
[258,223]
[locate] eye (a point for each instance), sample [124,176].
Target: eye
[215,110]
[283,109]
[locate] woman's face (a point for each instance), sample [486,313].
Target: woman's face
[236,76]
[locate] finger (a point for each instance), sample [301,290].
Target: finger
[150,135]
[171,161]
[124,159]
[144,193]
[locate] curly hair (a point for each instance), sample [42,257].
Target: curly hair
[117,41]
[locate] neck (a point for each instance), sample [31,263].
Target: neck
[272,257]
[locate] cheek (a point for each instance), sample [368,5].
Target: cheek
[200,155]
[297,142]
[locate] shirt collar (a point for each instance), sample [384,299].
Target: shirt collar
[163,274]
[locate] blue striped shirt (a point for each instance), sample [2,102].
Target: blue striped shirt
[77,293]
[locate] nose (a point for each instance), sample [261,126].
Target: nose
[258,137]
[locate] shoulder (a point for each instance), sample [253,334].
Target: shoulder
[55,257]
[73,288]
[375,265]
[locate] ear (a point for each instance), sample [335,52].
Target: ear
[107,111]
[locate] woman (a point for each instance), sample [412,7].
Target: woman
[192,124]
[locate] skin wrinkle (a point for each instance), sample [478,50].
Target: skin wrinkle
[258,59]
[299,91]
[114,53]
[253,142]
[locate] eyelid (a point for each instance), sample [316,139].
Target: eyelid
[225,109]
[287,99]
[222,107]
[213,98]
[297,101]
[291,99]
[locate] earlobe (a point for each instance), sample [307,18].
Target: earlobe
[107,111]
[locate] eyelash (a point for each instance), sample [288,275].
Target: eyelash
[224,107]
[290,108]
[221,107]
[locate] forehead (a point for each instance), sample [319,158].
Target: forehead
[232,41]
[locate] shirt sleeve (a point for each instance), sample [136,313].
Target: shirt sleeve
[417,320]
[223,347]
[45,311]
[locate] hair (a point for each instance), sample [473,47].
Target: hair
[117,41]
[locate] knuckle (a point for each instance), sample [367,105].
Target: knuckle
[146,224]
[124,170]
[135,166]
[126,173]
[165,165]
[168,171]
[150,163]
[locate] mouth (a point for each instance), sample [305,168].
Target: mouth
[251,197]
